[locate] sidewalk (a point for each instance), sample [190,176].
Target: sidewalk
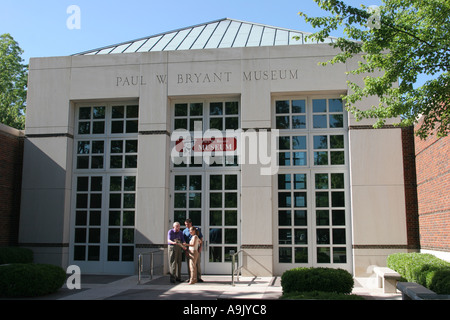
[214,287]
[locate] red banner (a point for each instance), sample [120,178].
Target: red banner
[208,145]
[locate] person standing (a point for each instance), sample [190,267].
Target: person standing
[175,239]
[187,239]
[193,244]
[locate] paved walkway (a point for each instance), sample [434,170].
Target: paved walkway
[213,288]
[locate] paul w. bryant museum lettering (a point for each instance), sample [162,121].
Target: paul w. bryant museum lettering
[213,77]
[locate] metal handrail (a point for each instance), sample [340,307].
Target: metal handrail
[233,263]
[141,263]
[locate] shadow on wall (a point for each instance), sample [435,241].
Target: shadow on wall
[45,200]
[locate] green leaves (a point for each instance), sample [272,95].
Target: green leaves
[411,39]
[13,83]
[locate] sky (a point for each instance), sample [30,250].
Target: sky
[40,27]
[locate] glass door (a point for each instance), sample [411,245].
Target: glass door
[205,177]
[187,202]
[211,201]
[222,236]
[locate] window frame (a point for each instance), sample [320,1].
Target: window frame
[313,228]
[230,159]
[127,225]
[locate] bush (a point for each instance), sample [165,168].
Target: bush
[15,255]
[317,279]
[440,283]
[319,295]
[424,269]
[30,280]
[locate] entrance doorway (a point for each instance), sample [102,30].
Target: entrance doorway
[211,201]
[205,184]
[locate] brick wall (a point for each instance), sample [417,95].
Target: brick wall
[11,160]
[433,192]
[409,174]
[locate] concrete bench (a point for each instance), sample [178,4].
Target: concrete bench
[387,279]
[415,291]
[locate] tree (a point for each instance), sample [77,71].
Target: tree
[13,83]
[402,39]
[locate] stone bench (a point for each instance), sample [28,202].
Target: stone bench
[387,279]
[415,291]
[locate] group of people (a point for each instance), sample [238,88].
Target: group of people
[189,241]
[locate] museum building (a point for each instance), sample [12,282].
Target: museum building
[232,124]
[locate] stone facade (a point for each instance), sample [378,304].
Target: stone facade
[376,221]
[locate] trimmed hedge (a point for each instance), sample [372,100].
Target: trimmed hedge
[317,279]
[422,268]
[15,255]
[440,282]
[320,295]
[30,280]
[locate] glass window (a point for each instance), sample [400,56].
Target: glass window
[123,154]
[294,151]
[90,155]
[87,222]
[328,113]
[290,114]
[329,150]
[216,115]
[91,120]
[223,216]
[292,214]
[224,115]
[312,143]
[125,119]
[330,217]
[101,146]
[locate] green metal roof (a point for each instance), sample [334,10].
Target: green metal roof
[223,33]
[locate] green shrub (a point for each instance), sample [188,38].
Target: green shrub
[424,269]
[317,279]
[440,282]
[15,255]
[30,280]
[319,295]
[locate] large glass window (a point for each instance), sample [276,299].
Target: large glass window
[122,205]
[311,212]
[330,215]
[106,151]
[292,218]
[88,209]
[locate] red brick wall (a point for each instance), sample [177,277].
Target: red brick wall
[409,174]
[11,160]
[433,191]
